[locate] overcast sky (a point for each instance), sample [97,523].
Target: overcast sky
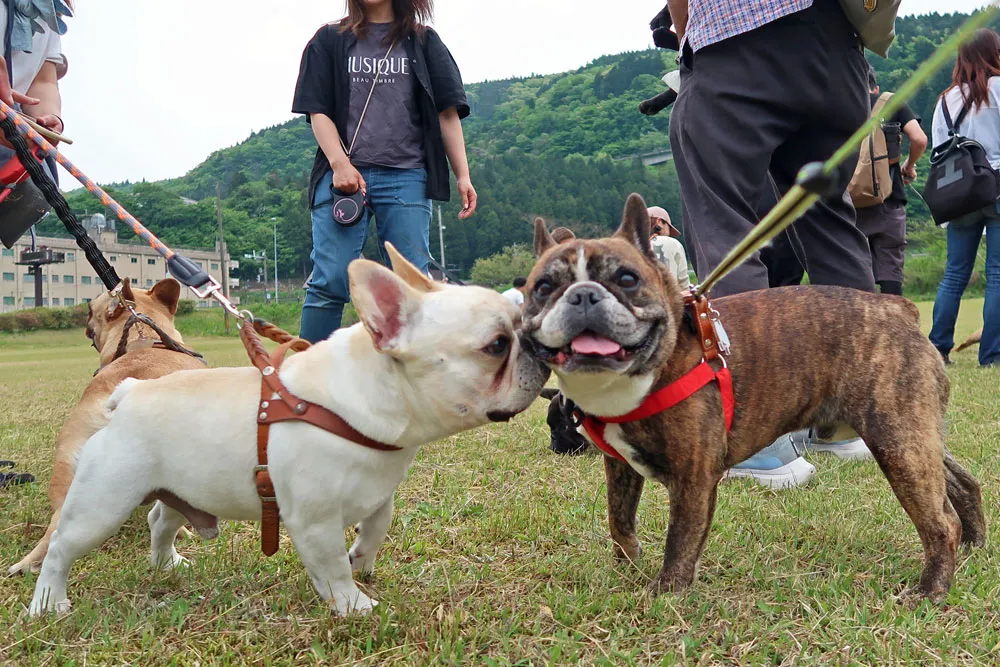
[154,87]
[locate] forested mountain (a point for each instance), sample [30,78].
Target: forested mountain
[562,146]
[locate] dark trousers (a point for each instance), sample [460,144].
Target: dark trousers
[787,93]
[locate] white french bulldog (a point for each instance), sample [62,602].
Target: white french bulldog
[427,361]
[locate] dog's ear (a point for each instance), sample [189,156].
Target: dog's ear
[167,292]
[635,224]
[385,303]
[115,308]
[543,240]
[410,274]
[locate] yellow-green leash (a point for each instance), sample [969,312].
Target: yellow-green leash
[817,179]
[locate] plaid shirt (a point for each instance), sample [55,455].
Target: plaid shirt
[711,21]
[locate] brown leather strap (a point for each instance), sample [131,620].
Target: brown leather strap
[702,317]
[277,404]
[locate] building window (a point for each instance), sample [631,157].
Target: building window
[8,252]
[85,300]
[29,302]
[8,301]
[114,258]
[71,257]
[28,278]
[68,301]
[68,279]
[85,280]
[202,304]
[55,277]
[8,277]
[135,281]
[149,282]
[200,265]
[45,301]
[135,260]
[215,266]
[151,261]
[55,301]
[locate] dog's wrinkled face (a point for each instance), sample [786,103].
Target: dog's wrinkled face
[106,317]
[601,306]
[458,346]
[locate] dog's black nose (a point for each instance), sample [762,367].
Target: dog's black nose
[584,295]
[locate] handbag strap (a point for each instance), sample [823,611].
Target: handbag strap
[7,41]
[357,130]
[953,127]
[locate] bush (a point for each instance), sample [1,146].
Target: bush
[499,270]
[27,320]
[44,318]
[186,306]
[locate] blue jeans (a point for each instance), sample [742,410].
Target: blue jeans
[963,243]
[402,217]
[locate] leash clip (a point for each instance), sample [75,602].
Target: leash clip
[720,331]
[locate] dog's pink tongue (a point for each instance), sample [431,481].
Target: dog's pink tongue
[591,344]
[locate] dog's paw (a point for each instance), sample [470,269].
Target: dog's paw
[355,602]
[667,584]
[169,562]
[24,567]
[627,551]
[914,596]
[361,563]
[37,608]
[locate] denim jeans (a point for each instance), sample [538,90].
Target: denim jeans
[402,216]
[963,243]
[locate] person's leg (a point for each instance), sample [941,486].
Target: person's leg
[885,227]
[963,242]
[334,247]
[403,213]
[989,346]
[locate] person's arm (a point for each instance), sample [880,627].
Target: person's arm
[683,277]
[679,15]
[45,89]
[7,94]
[918,144]
[454,147]
[346,177]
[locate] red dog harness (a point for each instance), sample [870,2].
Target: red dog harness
[703,318]
[675,392]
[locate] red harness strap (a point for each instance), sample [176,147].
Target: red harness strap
[666,398]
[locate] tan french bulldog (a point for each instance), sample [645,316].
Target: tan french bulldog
[611,324]
[426,361]
[105,325]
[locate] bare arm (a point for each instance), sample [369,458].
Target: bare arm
[45,89]
[679,15]
[345,177]
[918,144]
[454,147]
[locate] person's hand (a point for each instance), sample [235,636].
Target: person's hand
[469,198]
[11,97]
[347,179]
[909,172]
[51,122]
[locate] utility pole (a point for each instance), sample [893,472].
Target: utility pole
[444,267]
[222,252]
[274,259]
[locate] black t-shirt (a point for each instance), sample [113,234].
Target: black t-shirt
[324,86]
[903,116]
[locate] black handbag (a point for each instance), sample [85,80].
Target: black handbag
[961,180]
[348,208]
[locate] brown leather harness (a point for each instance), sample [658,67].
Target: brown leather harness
[277,404]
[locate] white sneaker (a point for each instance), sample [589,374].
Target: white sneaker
[777,466]
[854,449]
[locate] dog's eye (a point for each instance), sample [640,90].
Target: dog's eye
[498,347]
[543,288]
[627,280]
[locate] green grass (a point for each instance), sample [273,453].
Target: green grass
[498,554]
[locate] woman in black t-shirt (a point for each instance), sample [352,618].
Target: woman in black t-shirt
[399,141]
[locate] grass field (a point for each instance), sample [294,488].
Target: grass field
[498,554]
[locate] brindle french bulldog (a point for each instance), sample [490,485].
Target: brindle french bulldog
[611,323]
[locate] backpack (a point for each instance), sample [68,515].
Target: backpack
[961,180]
[872,180]
[874,21]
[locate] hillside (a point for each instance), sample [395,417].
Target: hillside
[558,145]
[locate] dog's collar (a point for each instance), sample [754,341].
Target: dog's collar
[675,392]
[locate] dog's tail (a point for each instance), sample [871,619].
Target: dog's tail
[971,340]
[967,499]
[118,395]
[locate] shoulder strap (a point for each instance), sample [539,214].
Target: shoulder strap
[7,38]
[953,126]
[357,130]
[880,103]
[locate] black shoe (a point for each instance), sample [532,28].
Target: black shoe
[13,479]
[947,359]
[4,463]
